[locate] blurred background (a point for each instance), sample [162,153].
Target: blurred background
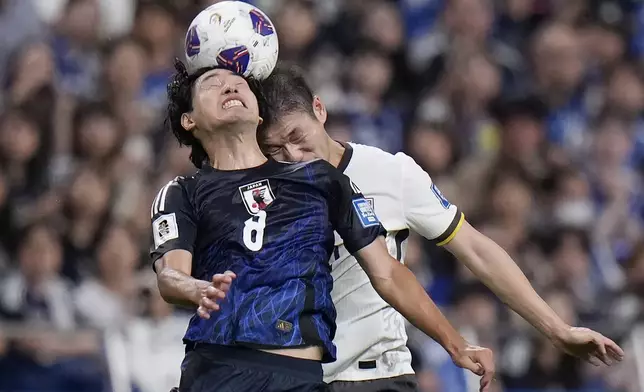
[528,114]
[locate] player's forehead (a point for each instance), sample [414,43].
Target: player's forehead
[278,135]
[217,73]
[288,124]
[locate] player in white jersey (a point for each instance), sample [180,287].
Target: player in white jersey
[371,338]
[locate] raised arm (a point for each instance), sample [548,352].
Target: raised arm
[430,214]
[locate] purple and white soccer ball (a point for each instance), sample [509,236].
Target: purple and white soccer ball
[233,35]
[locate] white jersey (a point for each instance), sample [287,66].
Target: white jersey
[371,337]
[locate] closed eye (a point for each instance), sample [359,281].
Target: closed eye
[296,136]
[271,150]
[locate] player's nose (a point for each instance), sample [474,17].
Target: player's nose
[229,88]
[293,153]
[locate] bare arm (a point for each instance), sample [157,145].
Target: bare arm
[399,287]
[176,285]
[436,218]
[496,269]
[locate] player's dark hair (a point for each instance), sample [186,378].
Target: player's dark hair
[284,92]
[179,102]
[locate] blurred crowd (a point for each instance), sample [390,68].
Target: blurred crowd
[526,113]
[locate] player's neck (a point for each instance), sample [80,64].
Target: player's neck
[336,151]
[233,151]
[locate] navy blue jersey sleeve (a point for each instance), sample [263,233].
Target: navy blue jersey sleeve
[173,220]
[352,214]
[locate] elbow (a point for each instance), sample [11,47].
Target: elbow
[481,265]
[387,281]
[487,261]
[400,289]
[381,268]
[386,289]
[162,284]
[475,261]
[382,285]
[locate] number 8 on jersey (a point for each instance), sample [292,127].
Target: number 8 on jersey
[256,196]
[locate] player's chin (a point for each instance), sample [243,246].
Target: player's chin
[240,116]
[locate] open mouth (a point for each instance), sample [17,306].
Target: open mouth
[232,103]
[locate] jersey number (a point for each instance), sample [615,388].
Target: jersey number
[254,231]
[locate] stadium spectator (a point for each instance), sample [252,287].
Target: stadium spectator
[117,257]
[154,341]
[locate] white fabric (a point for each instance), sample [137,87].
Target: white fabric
[156,352]
[368,328]
[100,307]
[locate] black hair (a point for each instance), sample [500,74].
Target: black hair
[180,92]
[179,102]
[285,91]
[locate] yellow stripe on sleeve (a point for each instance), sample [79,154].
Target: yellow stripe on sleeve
[453,233]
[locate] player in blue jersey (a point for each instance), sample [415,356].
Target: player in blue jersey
[404,198]
[260,233]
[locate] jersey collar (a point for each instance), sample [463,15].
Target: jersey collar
[270,162]
[346,156]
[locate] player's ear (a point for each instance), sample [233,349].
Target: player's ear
[319,109]
[261,121]
[187,122]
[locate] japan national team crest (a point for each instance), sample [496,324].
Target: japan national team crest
[257,196]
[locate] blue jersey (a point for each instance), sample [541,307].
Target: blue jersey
[273,226]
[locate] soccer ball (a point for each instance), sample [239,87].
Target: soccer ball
[232,35]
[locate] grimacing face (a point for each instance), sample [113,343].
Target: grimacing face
[298,136]
[221,98]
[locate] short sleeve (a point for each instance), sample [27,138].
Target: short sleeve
[426,210]
[173,220]
[352,215]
